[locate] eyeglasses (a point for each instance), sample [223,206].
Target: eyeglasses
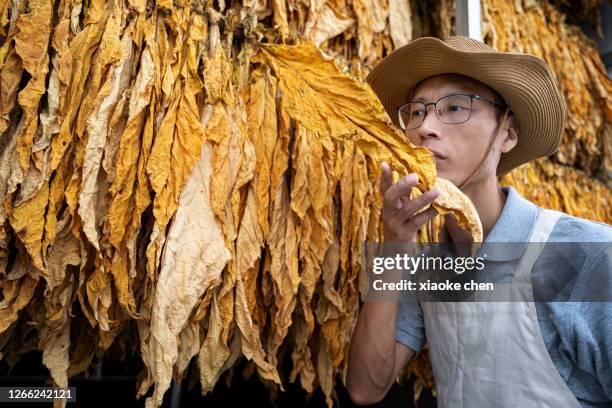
[451,109]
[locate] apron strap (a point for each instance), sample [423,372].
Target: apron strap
[543,226]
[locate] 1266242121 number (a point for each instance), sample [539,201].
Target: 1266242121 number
[37,394]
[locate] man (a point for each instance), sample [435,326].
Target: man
[483,113]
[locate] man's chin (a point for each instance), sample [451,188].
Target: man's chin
[448,175]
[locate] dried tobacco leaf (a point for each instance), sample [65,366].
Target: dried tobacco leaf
[452,200]
[323,99]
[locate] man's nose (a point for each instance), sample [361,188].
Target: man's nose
[431,123]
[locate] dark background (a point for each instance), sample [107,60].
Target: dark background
[115,384]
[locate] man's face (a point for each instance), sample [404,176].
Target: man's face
[459,148]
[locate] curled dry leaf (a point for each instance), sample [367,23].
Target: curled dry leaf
[454,201]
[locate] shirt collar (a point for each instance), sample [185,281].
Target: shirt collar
[513,225]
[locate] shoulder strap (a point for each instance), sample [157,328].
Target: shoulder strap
[543,226]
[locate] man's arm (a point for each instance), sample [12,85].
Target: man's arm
[375,358]
[592,321]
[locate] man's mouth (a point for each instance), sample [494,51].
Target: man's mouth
[437,155]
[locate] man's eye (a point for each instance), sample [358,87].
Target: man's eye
[456,108]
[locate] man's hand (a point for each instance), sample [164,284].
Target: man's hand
[453,232]
[398,213]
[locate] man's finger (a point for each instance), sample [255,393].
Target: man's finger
[415,205]
[405,199]
[423,217]
[385,177]
[402,188]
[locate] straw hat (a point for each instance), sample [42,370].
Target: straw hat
[523,80]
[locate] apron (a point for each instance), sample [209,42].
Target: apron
[492,354]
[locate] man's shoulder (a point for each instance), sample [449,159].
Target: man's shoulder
[579,260]
[570,228]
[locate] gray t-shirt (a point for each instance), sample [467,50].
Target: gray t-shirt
[577,334]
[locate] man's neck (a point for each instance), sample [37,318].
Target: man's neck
[489,200]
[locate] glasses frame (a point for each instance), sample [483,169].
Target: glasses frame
[472,97]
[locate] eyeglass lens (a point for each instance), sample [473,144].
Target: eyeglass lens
[451,109]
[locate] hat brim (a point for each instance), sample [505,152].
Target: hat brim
[524,81]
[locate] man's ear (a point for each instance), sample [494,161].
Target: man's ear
[511,138]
